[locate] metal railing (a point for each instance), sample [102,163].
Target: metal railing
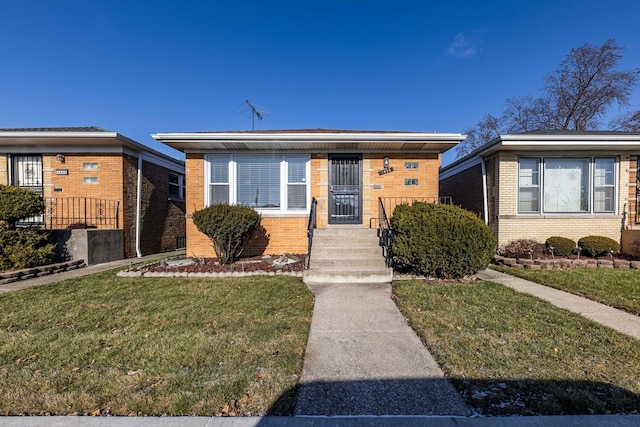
[77,212]
[385,233]
[311,226]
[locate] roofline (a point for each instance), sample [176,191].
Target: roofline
[347,136]
[126,141]
[550,141]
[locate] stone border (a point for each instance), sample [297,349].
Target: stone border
[564,263]
[45,270]
[126,273]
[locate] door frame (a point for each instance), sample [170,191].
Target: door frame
[357,219]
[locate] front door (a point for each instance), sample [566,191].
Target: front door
[345,189]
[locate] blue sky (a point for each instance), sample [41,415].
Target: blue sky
[141,67]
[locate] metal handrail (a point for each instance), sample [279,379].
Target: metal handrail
[385,234]
[311,225]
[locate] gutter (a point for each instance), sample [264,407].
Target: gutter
[139,206]
[485,195]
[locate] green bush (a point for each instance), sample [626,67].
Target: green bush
[595,246]
[18,203]
[522,248]
[228,226]
[440,240]
[562,246]
[25,248]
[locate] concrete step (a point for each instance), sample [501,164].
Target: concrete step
[346,240]
[347,252]
[367,275]
[347,264]
[341,232]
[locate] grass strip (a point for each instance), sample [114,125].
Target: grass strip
[510,353]
[102,345]
[617,288]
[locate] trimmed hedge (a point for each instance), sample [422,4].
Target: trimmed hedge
[595,246]
[440,240]
[228,226]
[562,246]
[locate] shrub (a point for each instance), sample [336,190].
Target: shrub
[595,246]
[228,227]
[25,248]
[440,240]
[562,246]
[522,248]
[18,203]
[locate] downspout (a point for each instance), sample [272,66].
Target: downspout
[485,196]
[139,207]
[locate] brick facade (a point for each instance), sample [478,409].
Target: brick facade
[288,233]
[502,190]
[111,175]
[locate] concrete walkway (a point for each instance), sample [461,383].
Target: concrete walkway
[615,319]
[363,359]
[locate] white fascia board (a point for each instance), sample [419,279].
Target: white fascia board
[312,136]
[175,165]
[454,169]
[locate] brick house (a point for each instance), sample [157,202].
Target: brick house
[536,185]
[279,173]
[94,179]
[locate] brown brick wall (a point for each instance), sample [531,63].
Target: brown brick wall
[465,189]
[162,220]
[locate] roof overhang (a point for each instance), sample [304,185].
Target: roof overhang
[77,141]
[614,142]
[310,141]
[550,142]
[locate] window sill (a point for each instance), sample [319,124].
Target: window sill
[562,216]
[268,214]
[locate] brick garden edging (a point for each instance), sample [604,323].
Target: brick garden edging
[126,273]
[45,270]
[564,263]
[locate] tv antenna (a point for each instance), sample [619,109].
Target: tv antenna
[254,113]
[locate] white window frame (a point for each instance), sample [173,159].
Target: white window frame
[179,185]
[591,182]
[284,178]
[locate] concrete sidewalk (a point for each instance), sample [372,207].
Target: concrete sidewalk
[363,359]
[615,319]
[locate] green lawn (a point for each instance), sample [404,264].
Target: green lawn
[108,345]
[510,353]
[615,287]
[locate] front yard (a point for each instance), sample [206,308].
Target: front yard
[125,346]
[510,353]
[615,287]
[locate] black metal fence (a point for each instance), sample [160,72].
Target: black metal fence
[77,212]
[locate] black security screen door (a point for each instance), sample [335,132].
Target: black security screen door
[345,189]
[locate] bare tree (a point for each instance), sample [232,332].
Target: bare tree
[629,122]
[574,97]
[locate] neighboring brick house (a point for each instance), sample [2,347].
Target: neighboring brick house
[536,185]
[279,172]
[90,179]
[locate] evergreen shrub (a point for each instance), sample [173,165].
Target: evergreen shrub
[595,246]
[562,246]
[442,241]
[228,226]
[18,203]
[25,248]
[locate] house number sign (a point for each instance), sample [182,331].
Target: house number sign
[62,171]
[385,171]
